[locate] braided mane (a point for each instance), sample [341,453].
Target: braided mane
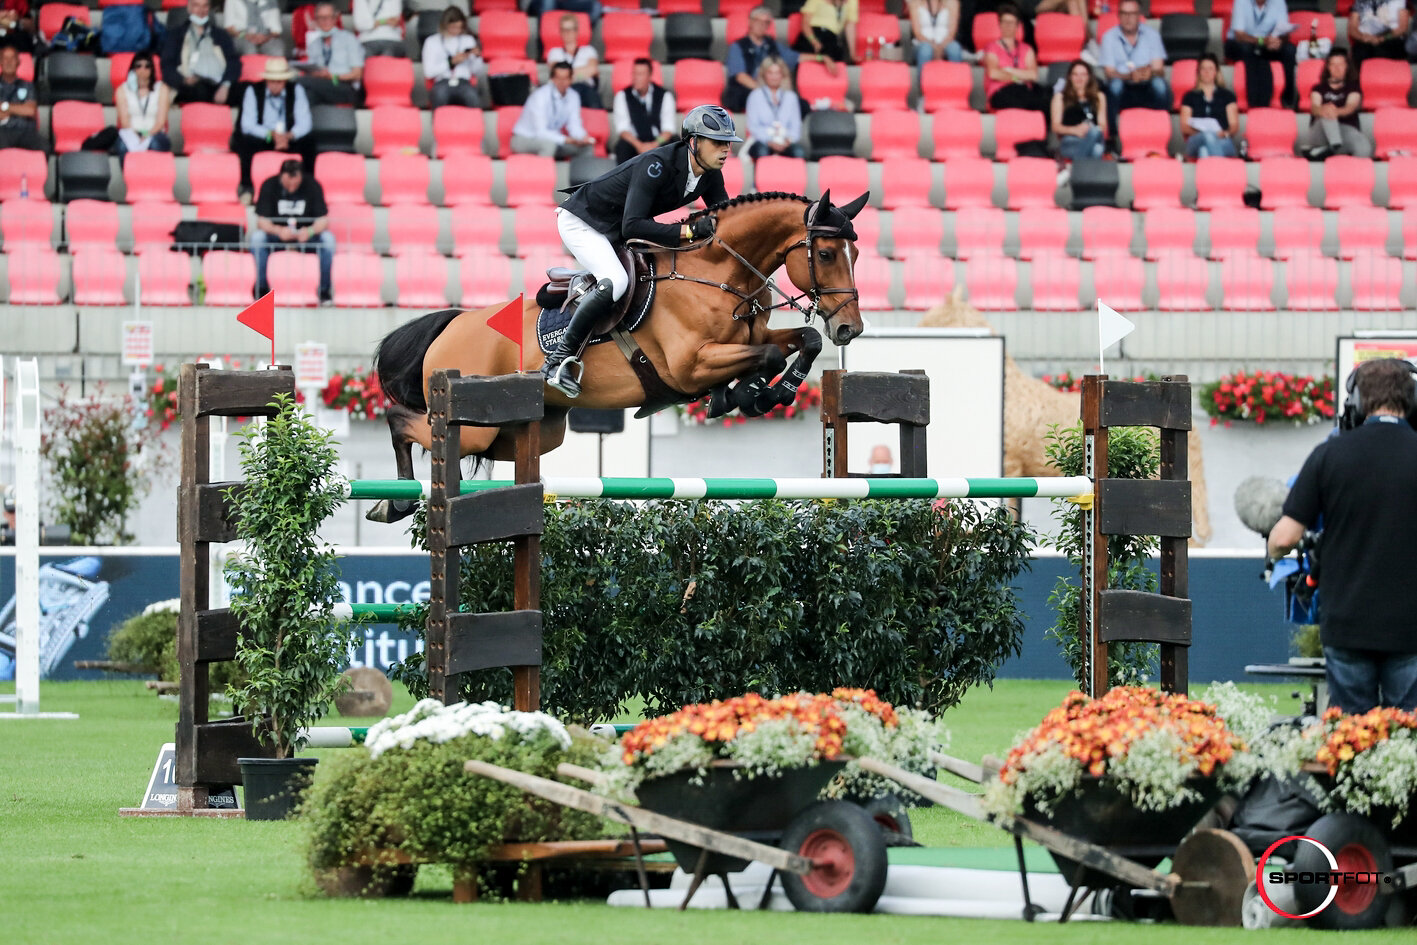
[755,197]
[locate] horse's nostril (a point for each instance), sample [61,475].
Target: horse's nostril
[843,334]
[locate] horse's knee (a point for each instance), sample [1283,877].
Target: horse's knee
[774,361]
[811,344]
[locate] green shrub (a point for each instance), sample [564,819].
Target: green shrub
[149,640]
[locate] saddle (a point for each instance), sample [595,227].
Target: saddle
[566,287]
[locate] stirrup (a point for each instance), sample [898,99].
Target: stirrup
[563,379]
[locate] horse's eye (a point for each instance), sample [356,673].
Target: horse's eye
[825,255]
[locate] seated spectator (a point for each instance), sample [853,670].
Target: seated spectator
[1210,117]
[274,117]
[1378,29]
[334,60]
[829,31]
[141,103]
[644,114]
[291,212]
[1134,59]
[585,63]
[1011,68]
[1079,114]
[17,27]
[747,53]
[380,26]
[550,122]
[1258,36]
[254,26]
[199,62]
[452,61]
[934,24]
[774,114]
[1334,104]
[18,127]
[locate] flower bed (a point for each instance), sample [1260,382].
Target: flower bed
[1371,759]
[358,393]
[1268,396]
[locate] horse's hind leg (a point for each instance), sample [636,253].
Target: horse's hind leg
[403,424]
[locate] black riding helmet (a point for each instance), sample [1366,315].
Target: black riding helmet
[709,121]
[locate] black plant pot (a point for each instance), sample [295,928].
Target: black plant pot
[274,786]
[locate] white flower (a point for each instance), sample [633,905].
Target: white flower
[431,721]
[163,606]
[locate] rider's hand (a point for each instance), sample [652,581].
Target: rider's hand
[702,228]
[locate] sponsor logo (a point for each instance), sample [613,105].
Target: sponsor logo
[655,169]
[1333,878]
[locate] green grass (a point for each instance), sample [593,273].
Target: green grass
[72,870]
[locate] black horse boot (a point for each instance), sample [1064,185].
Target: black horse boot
[560,364]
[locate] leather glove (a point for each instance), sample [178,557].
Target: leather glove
[702,228]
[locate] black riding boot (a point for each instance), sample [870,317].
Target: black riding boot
[560,367]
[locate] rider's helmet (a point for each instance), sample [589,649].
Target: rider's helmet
[709,121]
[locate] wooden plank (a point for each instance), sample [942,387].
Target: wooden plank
[219,744]
[216,635]
[485,641]
[834,427]
[958,766]
[638,817]
[1146,404]
[914,458]
[495,515]
[1125,616]
[1144,507]
[194,575]
[589,775]
[215,521]
[443,557]
[554,849]
[885,397]
[496,401]
[526,565]
[241,393]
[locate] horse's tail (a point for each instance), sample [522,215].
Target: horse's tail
[399,357]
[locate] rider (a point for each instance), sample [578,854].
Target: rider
[621,205]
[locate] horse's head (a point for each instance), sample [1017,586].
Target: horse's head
[824,271]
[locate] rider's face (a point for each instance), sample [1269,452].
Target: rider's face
[713,154]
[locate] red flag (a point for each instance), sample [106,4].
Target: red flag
[260,316]
[508,323]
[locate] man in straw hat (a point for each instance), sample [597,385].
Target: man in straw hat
[274,117]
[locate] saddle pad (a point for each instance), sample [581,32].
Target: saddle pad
[551,322]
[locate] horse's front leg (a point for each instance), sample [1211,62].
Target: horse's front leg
[807,342]
[753,365]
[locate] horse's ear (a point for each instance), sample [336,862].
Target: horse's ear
[855,206]
[817,213]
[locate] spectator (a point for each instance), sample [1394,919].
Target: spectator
[774,114]
[829,31]
[275,117]
[933,27]
[254,26]
[585,64]
[644,114]
[1134,60]
[1377,29]
[334,60]
[18,128]
[747,54]
[882,463]
[1333,105]
[17,27]
[1011,68]
[291,211]
[1079,114]
[380,26]
[1210,115]
[141,103]
[550,122]
[1257,37]
[452,61]
[199,61]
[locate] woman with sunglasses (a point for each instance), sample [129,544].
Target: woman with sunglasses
[142,103]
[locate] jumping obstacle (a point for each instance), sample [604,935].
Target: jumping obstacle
[902,398]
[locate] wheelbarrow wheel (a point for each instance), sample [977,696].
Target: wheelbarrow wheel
[1358,846]
[849,856]
[889,813]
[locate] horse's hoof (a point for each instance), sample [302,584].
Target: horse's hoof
[387,511]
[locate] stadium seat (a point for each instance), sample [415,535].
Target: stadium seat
[905,182]
[212,177]
[878,28]
[1306,76]
[397,129]
[597,126]
[957,134]
[1183,79]
[341,176]
[1348,182]
[778,174]
[52,17]
[1270,132]
[83,174]
[1169,230]
[164,277]
[357,279]
[946,86]
[33,274]
[1362,230]
[884,85]
[1156,183]
[895,134]
[1094,182]
[484,279]
[536,233]
[1297,230]
[1321,25]
[873,281]
[72,122]
[403,179]
[294,277]
[688,36]
[1386,83]
[845,175]
[1144,132]
[457,129]
[1043,230]
[149,175]
[90,223]
[1013,125]
[698,80]
[1220,182]
[1058,37]
[1401,180]
[1106,231]
[206,127]
[1242,95]
[412,227]
[1119,281]
[1181,283]
[815,85]
[504,34]
[867,224]
[26,223]
[1234,231]
[230,277]
[266,164]
[1377,283]
[153,223]
[1409,234]
[1246,283]
[549,29]
[1311,281]
[1284,182]
[926,282]
[969,182]
[1394,132]
[531,180]
[253,68]
[916,231]
[1032,183]
[984,29]
[626,36]
[352,224]
[1185,35]
[506,121]
[477,233]
[387,80]
[1055,281]
[21,169]
[467,180]
[979,230]
[1158,8]
[422,280]
[335,128]
[70,76]
[99,274]
[26,67]
[223,211]
[991,282]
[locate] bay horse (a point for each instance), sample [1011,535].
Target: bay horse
[706,329]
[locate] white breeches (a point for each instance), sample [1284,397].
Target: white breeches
[592,250]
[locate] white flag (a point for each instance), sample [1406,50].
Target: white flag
[1111,327]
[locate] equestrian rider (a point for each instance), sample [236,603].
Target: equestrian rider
[621,205]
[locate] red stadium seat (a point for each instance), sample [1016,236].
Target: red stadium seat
[1246,282]
[1058,36]
[206,127]
[294,278]
[1041,231]
[895,134]
[21,169]
[537,233]
[1119,281]
[778,174]
[222,211]
[1144,132]
[1156,183]
[457,129]
[1270,132]
[1386,83]
[397,129]
[845,175]
[1169,230]
[531,180]
[152,224]
[72,122]
[477,233]
[1012,125]
[212,178]
[957,134]
[253,67]
[1032,182]
[53,15]
[1106,231]
[1158,8]
[882,28]
[626,35]
[979,230]
[700,80]
[1394,132]
[867,224]
[230,277]
[906,182]
[549,29]
[467,180]
[1183,79]
[1181,283]
[991,282]
[1242,98]
[34,273]
[266,164]
[1220,182]
[1377,283]
[1297,231]
[358,279]
[884,85]
[969,182]
[403,179]
[1324,26]
[27,223]
[1055,281]
[149,175]
[1284,182]
[90,223]
[99,276]
[1234,231]
[412,227]
[387,80]
[1362,231]
[352,224]
[506,120]
[816,85]
[164,277]
[1306,76]
[1401,180]
[597,125]
[985,29]
[341,176]
[917,231]
[927,282]
[503,34]
[873,281]
[946,86]
[1312,283]
[1348,182]
[422,279]
[485,279]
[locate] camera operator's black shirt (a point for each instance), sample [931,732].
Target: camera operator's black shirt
[1364,484]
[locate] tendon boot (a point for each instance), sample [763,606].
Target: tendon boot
[563,367]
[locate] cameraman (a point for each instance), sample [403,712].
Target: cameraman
[1364,486]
